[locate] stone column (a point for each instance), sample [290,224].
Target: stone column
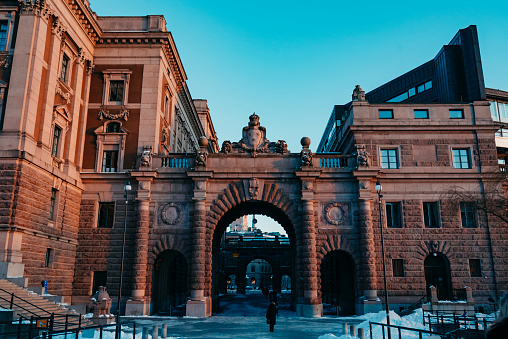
[199,304]
[138,305]
[368,256]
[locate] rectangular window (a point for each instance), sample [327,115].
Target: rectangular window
[100,278]
[411,92]
[109,161]
[393,219]
[106,214]
[389,158]
[493,111]
[475,268]
[421,113]
[3,35]
[52,204]
[65,68]
[456,114]
[430,214]
[57,133]
[385,114]
[468,214]
[398,267]
[461,158]
[49,257]
[116,91]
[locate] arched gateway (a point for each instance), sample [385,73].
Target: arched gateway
[185,203]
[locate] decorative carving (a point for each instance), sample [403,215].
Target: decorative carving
[227,147]
[334,213]
[6,62]
[199,185]
[201,153]
[64,95]
[254,188]
[282,147]
[171,214]
[123,113]
[306,153]
[144,185]
[146,157]
[57,27]
[362,156]
[358,94]
[38,7]
[364,184]
[307,185]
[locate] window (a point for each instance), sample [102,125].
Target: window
[421,113]
[106,214]
[430,214]
[475,268]
[57,133]
[65,68]
[389,158]
[49,257]
[100,278]
[113,127]
[468,214]
[109,161]
[253,269]
[52,204]
[385,114]
[3,35]
[398,267]
[393,219]
[461,158]
[456,114]
[116,91]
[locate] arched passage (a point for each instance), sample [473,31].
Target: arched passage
[278,267]
[337,281]
[170,281]
[437,274]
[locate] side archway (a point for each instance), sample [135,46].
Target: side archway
[437,274]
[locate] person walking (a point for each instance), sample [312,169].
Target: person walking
[271,315]
[273,296]
[499,330]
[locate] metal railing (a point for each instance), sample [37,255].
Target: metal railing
[331,160]
[31,327]
[181,160]
[400,330]
[12,303]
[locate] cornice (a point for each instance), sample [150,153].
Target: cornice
[85,17]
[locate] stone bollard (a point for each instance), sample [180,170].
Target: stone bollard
[361,335]
[352,329]
[155,332]
[144,334]
[164,331]
[346,330]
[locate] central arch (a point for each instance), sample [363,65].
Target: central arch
[234,203]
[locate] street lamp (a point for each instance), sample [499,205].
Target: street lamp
[379,196]
[127,189]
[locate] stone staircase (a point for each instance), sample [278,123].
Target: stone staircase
[28,304]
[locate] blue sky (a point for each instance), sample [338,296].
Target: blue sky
[290,62]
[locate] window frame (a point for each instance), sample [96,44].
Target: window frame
[421,110]
[53,204]
[64,68]
[452,112]
[110,215]
[468,215]
[393,214]
[113,75]
[110,141]
[57,137]
[3,46]
[437,216]
[111,160]
[387,157]
[473,268]
[467,150]
[389,116]
[49,258]
[95,277]
[400,273]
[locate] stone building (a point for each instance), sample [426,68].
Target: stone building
[83,100]
[424,135]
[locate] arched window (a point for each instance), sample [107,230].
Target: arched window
[253,269]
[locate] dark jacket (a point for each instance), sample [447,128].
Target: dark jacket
[271,313]
[498,330]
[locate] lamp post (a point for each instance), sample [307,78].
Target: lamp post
[379,196]
[127,189]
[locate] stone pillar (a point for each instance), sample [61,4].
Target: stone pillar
[11,267]
[138,305]
[368,275]
[199,304]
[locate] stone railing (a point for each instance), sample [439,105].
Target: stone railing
[333,160]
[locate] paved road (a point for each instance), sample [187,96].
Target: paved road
[243,316]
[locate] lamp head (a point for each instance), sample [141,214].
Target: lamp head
[378,186]
[127,186]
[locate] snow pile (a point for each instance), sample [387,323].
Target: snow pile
[413,320]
